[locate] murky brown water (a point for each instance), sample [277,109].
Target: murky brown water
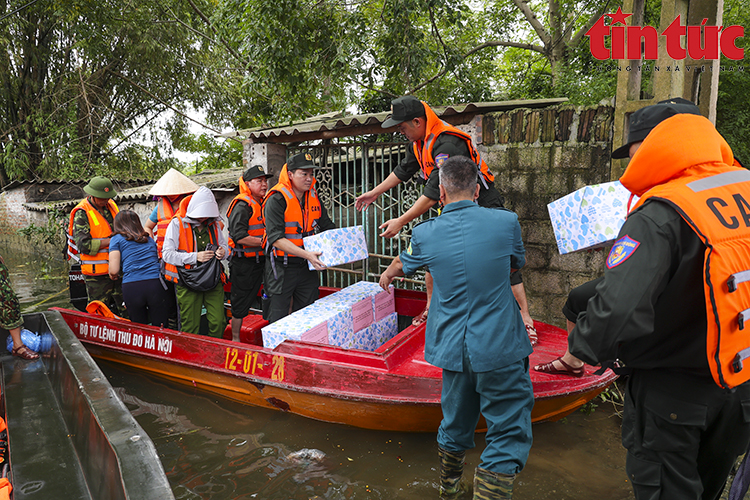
[218,449]
[213,448]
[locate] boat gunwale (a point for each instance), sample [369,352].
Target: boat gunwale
[310,357]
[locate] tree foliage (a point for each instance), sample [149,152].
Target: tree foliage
[77,77]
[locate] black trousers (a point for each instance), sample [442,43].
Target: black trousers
[246,275]
[683,433]
[294,285]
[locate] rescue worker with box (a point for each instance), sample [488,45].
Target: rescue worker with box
[672,305]
[433,142]
[292,210]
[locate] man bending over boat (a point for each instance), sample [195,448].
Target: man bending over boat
[475,332]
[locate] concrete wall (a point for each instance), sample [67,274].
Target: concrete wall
[539,156]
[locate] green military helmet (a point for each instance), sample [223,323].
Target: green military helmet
[100,187]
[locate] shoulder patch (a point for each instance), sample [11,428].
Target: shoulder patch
[408,250]
[621,251]
[440,159]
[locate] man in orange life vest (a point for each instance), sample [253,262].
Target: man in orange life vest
[246,230]
[671,305]
[292,210]
[433,142]
[89,231]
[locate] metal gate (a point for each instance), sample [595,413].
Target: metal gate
[346,171]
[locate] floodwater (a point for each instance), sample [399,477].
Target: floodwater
[213,448]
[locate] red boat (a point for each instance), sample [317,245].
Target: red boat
[392,388]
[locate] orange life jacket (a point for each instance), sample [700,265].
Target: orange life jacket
[685,162]
[99,308]
[436,127]
[164,215]
[5,489]
[256,227]
[98,264]
[715,201]
[187,242]
[298,223]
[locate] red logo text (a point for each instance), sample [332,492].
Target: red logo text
[637,42]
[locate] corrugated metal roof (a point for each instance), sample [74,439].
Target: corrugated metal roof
[215,180]
[341,125]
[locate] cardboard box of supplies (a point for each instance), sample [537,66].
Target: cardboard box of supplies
[339,246]
[361,316]
[590,216]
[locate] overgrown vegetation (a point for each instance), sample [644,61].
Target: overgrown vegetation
[52,233]
[92,88]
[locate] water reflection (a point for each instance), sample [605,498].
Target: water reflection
[213,448]
[39,282]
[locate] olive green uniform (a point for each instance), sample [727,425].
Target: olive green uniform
[288,279]
[10,309]
[101,288]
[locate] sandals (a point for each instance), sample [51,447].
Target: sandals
[566,370]
[533,338]
[421,318]
[24,352]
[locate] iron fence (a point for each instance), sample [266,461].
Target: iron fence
[346,171]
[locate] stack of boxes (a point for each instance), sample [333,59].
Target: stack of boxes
[361,316]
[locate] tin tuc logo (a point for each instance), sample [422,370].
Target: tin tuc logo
[643,41]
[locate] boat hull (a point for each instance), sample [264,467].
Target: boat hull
[393,388]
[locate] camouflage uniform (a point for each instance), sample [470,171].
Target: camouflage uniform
[98,287]
[10,312]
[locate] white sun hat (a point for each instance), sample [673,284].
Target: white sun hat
[173,183]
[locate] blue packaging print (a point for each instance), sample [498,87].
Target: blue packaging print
[359,291]
[377,334]
[339,246]
[309,324]
[331,320]
[325,323]
[590,216]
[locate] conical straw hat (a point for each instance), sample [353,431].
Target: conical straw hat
[173,183]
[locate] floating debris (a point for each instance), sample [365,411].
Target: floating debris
[306,455]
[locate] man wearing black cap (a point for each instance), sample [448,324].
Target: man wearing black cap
[292,210]
[89,232]
[246,230]
[686,417]
[433,142]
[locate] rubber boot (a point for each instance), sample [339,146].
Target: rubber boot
[451,469]
[490,485]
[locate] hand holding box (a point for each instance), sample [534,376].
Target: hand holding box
[338,246]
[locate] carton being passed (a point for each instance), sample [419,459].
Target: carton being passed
[590,216]
[338,246]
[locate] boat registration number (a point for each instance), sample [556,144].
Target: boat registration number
[252,363]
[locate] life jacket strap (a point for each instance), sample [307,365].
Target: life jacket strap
[736,279]
[742,317]
[739,358]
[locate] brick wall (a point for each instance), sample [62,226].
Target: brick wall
[539,156]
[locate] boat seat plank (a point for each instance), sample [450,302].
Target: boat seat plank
[41,448]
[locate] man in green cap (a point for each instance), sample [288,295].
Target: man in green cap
[89,232]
